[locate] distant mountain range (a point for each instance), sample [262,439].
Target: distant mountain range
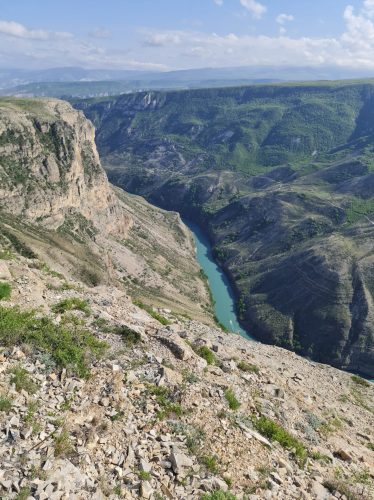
[80,82]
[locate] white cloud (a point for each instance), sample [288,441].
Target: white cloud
[368,8]
[163,40]
[17,30]
[255,8]
[218,2]
[172,49]
[100,33]
[284,18]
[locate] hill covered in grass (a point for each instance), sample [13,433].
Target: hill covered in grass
[282,179]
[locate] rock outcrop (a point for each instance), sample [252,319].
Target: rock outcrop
[50,169]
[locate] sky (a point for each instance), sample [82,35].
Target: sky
[181,34]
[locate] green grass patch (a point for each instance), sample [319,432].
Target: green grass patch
[5,291]
[72,304]
[275,432]
[164,398]
[22,381]
[248,367]
[219,495]
[210,463]
[151,312]
[234,403]
[5,404]
[205,353]
[63,445]
[69,344]
[360,381]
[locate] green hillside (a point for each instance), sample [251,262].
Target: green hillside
[281,177]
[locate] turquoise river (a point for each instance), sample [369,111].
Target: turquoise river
[219,285]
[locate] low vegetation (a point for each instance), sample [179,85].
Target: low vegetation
[63,444]
[205,353]
[5,291]
[22,380]
[210,463]
[72,304]
[248,367]
[234,403]
[5,404]
[275,432]
[166,401]
[360,381]
[219,495]
[69,345]
[151,312]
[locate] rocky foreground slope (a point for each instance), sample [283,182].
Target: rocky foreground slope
[178,411]
[102,396]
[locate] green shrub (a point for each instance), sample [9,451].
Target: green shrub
[72,304]
[144,475]
[233,402]
[360,381]
[205,353]
[164,398]
[5,291]
[5,404]
[275,432]
[219,495]
[63,445]
[129,336]
[210,462]
[22,380]
[248,367]
[69,345]
[23,494]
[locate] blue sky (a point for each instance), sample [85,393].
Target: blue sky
[177,34]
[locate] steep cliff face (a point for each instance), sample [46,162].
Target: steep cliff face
[56,204]
[49,166]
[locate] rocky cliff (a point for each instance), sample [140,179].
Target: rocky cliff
[50,168]
[56,200]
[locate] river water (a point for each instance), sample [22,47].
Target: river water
[219,285]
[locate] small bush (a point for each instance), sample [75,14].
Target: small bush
[219,495]
[233,402]
[23,494]
[338,486]
[360,381]
[144,476]
[5,291]
[248,367]
[275,432]
[205,353]
[63,445]
[129,336]
[22,380]
[69,345]
[164,398]
[72,304]
[210,463]
[5,404]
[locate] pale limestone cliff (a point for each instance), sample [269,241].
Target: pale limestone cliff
[50,168]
